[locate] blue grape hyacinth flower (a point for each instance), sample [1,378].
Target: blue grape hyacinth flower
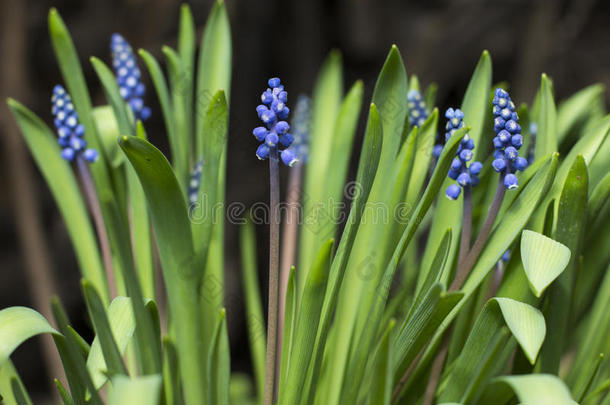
[464,173]
[69,130]
[273,112]
[508,139]
[418,113]
[195,182]
[300,129]
[128,76]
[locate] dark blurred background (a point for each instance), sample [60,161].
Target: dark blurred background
[440,40]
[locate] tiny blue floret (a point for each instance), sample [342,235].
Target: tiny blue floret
[273,113]
[128,76]
[69,130]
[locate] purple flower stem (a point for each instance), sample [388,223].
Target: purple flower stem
[274,239]
[98,220]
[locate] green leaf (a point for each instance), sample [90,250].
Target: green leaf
[214,67]
[576,110]
[426,136]
[438,265]
[539,389]
[113,363]
[139,390]
[122,324]
[65,396]
[108,128]
[174,240]
[546,138]
[306,326]
[171,374]
[569,231]
[599,197]
[485,342]
[369,159]
[63,185]
[218,367]
[186,52]
[544,259]
[325,106]
[18,324]
[290,320]
[381,390]
[12,390]
[253,305]
[113,95]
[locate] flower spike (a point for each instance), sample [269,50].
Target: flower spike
[195,182]
[508,139]
[69,130]
[273,113]
[466,174]
[300,133]
[128,76]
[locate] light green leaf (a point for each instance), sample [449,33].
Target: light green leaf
[599,197]
[18,324]
[526,324]
[308,317]
[253,306]
[544,259]
[576,110]
[139,390]
[218,367]
[12,390]
[122,324]
[113,95]
[64,186]
[546,138]
[538,389]
[381,390]
[426,136]
[214,67]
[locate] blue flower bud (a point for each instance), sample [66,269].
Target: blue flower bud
[274,82]
[463,179]
[286,140]
[282,127]
[195,183]
[262,152]
[261,109]
[288,157]
[510,181]
[271,139]
[466,155]
[475,168]
[90,155]
[504,136]
[453,192]
[456,164]
[68,154]
[516,141]
[300,129]
[267,97]
[520,163]
[511,153]
[498,164]
[260,133]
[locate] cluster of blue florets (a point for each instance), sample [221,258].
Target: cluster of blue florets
[195,182]
[69,130]
[128,76]
[273,112]
[532,149]
[508,139]
[300,129]
[466,174]
[418,113]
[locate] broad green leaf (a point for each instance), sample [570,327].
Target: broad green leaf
[546,138]
[108,129]
[18,324]
[381,390]
[544,259]
[430,95]
[113,95]
[122,324]
[253,305]
[538,389]
[421,164]
[572,214]
[448,214]
[64,186]
[325,106]
[218,367]
[12,390]
[105,335]
[574,111]
[307,322]
[485,342]
[138,390]
[214,65]
[173,233]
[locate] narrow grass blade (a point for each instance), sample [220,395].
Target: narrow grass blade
[381,389]
[546,138]
[218,366]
